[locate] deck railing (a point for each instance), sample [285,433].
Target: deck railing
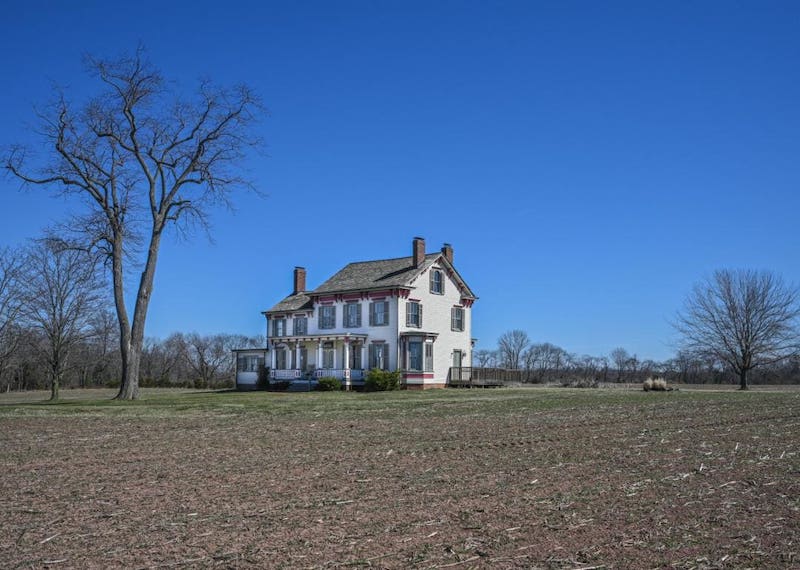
[468,376]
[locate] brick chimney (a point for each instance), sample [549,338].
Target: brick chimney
[418,251]
[447,251]
[299,280]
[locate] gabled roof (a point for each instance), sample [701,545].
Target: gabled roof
[296,302]
[371,275]
[379,274]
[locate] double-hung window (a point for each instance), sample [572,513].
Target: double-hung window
[413,314]
[379,313]
[352,315]
[279,327]
[415,355]
[300,325]
[327,316]
[379,356]
[437,282]
[457,319]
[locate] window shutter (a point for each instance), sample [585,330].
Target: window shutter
[372,314]
[408,314]
[453,319]
[333,316]
[432,280]
[385,306]
[358,314]
[420,314]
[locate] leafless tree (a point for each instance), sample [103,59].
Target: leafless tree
[744,318]
[510,347]
[143,160]
[209,355]
[485,358]
[61,295]
[10,304]
[621,358]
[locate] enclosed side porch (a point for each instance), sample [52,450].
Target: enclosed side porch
[318,356]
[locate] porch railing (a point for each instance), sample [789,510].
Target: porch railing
[342,373]
[285,374]
[353,374]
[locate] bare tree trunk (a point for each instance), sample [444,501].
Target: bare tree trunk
[743,379]
[55,385]
[134,337]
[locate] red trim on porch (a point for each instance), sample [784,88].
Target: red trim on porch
[417,375]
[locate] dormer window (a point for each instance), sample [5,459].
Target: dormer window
[437,282]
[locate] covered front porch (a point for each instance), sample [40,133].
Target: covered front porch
[310,357]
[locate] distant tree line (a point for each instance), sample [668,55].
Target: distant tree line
[58,329]
[547,363]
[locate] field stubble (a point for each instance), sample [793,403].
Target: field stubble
[504,478]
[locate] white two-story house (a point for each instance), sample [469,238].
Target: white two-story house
[411,314]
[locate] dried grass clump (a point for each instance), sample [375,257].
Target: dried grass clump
[655,384]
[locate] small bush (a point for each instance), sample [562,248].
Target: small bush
[263,378]
[328,384]
[655,384]
[381,380]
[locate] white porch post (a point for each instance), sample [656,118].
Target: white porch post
[347,363]
[319,354]
[297,355]
[272,358]
[364,362]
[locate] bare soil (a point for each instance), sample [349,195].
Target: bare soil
[463,479]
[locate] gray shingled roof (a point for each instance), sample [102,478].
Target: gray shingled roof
[398,272]
[365,275]
[297,302]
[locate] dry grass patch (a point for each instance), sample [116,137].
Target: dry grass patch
[501,478]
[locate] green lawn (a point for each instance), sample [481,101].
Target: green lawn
[340,404]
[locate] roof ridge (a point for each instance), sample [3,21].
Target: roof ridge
[391,258]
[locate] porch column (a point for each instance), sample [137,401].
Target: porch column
[364,362]
[319,354]
[297,355]
[346,363]
[272,358]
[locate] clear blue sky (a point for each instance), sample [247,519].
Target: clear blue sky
[589,161]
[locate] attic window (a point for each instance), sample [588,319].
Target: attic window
[437,282]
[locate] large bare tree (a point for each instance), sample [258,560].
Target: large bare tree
[143,159]
[744,318]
